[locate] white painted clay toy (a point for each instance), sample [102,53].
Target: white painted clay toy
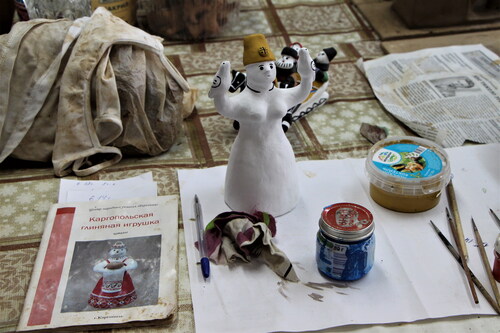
[261,173]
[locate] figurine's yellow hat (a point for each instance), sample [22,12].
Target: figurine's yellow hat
[256,49]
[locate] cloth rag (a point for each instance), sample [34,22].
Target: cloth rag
[82,93]
[238,236]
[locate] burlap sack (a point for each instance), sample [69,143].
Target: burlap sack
[104,88]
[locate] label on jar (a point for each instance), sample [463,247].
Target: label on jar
[345,262]
[408,160]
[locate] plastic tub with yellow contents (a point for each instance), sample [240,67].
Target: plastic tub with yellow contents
[407,174]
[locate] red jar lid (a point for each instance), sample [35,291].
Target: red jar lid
[347,221]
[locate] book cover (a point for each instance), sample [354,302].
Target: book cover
[105,263]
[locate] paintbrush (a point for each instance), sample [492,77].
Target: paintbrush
[495,217]
[486,264]
[452,200]
[455,254]
[453,227]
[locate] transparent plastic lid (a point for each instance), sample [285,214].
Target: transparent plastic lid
[408,165]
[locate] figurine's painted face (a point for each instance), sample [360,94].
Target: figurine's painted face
[117,252]
[322,58]
[261,71]
[286,62]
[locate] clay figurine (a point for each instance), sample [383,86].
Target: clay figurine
[319,94]
[322,62]
[115,288]
[261,173]
[286,68]
[287,77]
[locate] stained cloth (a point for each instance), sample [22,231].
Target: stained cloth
[83,93]
[238,236]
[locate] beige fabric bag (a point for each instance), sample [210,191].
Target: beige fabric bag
[81,93]
[29,88]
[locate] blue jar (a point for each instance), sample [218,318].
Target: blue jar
[345,243]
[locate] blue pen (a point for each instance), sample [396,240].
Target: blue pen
[205,262]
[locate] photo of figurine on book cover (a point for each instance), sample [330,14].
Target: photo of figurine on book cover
[116,273]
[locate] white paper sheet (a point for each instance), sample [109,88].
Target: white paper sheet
[414,276]
[91,190]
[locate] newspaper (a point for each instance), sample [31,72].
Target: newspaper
[447,94]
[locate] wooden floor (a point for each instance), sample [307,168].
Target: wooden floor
[397,37]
